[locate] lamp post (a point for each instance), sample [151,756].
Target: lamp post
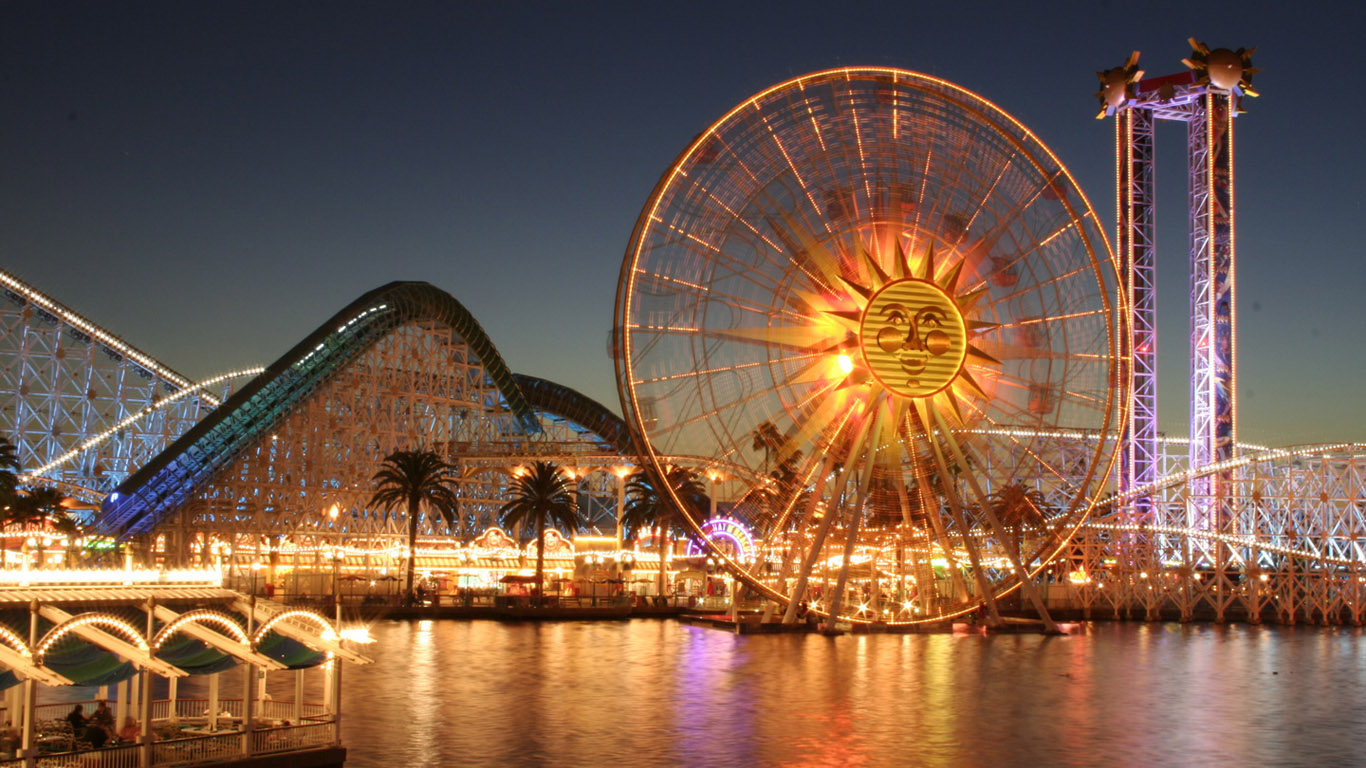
[333,512]
[256,567]
[337,556]
[621,473]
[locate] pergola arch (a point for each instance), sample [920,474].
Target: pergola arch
[203,616]
[95,618]
[328,630]
[13,640]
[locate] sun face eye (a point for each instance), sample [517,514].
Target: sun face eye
[930,317]
[896,314]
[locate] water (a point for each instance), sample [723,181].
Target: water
[659,693]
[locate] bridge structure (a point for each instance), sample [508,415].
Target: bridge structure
[274,465]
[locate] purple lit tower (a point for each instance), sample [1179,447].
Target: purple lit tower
[1205,98]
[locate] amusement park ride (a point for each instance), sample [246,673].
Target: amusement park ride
[869,306]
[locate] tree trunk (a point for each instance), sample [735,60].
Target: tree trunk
[412,548]
[659,537]
[540,561]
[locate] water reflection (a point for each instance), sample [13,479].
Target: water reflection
[657,693]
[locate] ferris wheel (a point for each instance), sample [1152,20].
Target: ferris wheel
[890,305]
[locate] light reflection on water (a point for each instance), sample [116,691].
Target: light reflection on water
[659,693]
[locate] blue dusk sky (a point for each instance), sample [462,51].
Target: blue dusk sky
[211,181]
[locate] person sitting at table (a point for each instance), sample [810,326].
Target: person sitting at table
[77,719]
[9,741]
[95,735]
[130,732]
[103,717]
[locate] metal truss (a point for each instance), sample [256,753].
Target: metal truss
[66,383]
[1293,549]
[1212,352]
[1137,212]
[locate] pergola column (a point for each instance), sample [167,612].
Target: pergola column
[214,681]
[298,696]
[30,690]
[248,708]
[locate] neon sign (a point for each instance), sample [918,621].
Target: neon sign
[725,529]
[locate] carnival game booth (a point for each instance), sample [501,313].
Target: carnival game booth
[129,638]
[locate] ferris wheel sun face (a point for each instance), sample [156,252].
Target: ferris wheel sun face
[869,302]
[913,334]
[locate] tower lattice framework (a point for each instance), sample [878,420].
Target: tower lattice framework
[1207,110]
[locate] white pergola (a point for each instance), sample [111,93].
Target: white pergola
[188,603]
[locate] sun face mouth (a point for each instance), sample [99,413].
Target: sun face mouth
[914,365]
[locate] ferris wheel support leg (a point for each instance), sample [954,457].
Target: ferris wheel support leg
[856,514]
[1031,589]
[837,601]
[799,591]
[988,596]
[794,550]
[941,536]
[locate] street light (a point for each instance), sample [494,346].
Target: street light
[332,513]
[337,555]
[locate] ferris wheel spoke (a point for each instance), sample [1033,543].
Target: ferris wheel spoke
[933,510]
[1037,287]
[716,411]
[924,411]
[1025,448]
[742,270]
[692,374]
[982,200]
[711,293]
[989,509]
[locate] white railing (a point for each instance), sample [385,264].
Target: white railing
[275,710]
[310,725]
[112,757]
[197,749]
[291,737]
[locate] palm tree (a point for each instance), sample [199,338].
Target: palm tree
[767,438]
[1016,507]
[409,479]
[766,501]
[37,505]
[40,507]
[9,464]
[649,507]
[540,497]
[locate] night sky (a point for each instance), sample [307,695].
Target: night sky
[212,181]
